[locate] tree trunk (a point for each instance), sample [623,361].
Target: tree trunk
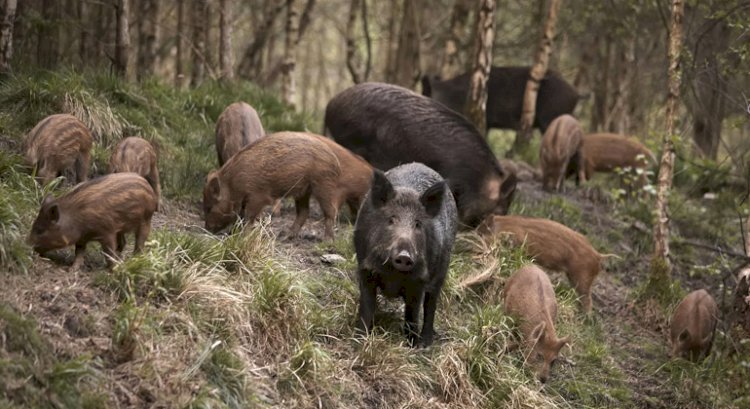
[452,64]
[661,267]
[537,73]
[618,119]
[226,58]
[476,103]
[290,41]
[252,58]
[198,49]
[407,69]
[601,89]
[122,40]
[391,47]
[148,38]
[6,35]
[48,46]
[179,69]
[304,19]
[358,73]
[84,48]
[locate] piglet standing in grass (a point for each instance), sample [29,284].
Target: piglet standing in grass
[693,325]
[103,210]
[58,143]
[403,238]
[137,155]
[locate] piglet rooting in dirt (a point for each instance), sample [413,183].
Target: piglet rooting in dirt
[58,143]
[693,325]
[561,144]
[554,247]
[137,155]
[530,299]
[403,238]
[103,210]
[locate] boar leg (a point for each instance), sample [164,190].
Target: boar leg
[583,288]
[430,305]
[367,303]
[78,261]
[141,235]
[412,303]
[302,207]
[121,242]
[330,213]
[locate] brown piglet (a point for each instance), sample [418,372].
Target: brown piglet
[137,155]
[58,143]
[530,299]
[693,324]
[356,175]
[237,127]
[560,145]
[603,152]
[554,247]
[294,164]
[103,209]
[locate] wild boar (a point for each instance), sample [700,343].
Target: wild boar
[403,238]
[283,164]
[137,155]
[693,325]
[560,145]
[530,299]
[104,209]
[356,175]
[58,143]
[505,90]
[554,247]
[603,152]
[237,127]
[390,125]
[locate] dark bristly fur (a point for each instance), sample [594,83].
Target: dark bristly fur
[560,145]
[137,155]
[102,209]
[505,91]
[57,143]
[693,325]
[237,127]
[403,237]
[390,125]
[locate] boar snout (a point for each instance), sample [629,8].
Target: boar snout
[403,261]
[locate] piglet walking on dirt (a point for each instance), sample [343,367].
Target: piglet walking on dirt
[693,325]
[403,237]
[102,209]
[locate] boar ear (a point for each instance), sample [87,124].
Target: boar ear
[684,335]
[507,191]
[213,184]
[432,198]
[382,189]
[54,213]
[538,332]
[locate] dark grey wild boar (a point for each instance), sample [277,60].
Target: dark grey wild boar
[505,91]
[561,144]
[58,143]
[237,127]
[293,164]
[137,155]
[403,238]
[530,298]
[390,125]
[103,209]
[693,325]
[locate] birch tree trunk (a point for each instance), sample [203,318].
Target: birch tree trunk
[476,103]
[6,35]
[452,64]
[122,40]
[225,43]
[290,42]
[179,68]
[351,47]
[661,267]
[538,70]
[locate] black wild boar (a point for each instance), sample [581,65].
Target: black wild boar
[237,127]
[505,91]
[561,144]
[137,155]
[390,125]
[693,325]
[102,209]
[294,164]
[403,238]
[57,143]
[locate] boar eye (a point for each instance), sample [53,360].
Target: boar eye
[392,220]
[418,224]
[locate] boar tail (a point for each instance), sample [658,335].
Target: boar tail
[610,255]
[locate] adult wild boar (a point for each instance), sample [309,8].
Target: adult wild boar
[560,145]
[403,238]
[103,209]
[554,247]
[390,125]
[603,152]
[237,127]
[137,155]
[693,325]
[57,143]
[505,91]
[530,299]
[283,164]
